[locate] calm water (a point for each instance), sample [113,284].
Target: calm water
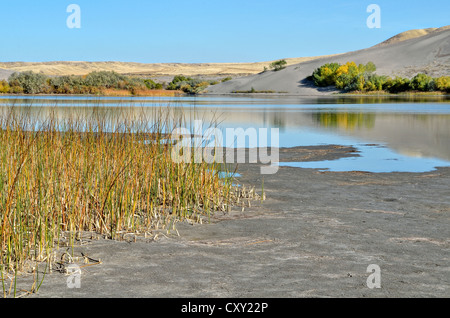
[391,134]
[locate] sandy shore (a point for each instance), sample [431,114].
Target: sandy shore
[314,236]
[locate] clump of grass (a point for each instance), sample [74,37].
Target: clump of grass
[254,91]
[95,172]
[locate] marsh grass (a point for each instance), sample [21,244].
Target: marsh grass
[99,172]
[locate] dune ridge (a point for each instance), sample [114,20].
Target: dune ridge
[428,54]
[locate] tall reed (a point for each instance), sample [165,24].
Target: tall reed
[94,170]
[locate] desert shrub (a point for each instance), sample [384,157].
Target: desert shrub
[374,82]
[396,85]
[348,76]
[104,79]
[151,84]
[422,82]
[66,84]
[187,84]
[178,81]
[278,65]
[93,90]
[370,67]
[29,82]
[4,87]
[325,75]
[194,87]
[442,84]
[352,77]
[357,83]
[349,68]
[15,89]
[226,79]
[134,83]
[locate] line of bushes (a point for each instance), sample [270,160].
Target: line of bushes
[92,83]
[103,82]
[362,78]
[192,85]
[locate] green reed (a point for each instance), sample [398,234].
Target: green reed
[95,172]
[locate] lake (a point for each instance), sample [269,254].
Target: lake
[404,134]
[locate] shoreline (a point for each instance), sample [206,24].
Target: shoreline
[314,236]
[182,94]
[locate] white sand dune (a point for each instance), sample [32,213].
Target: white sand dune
[429,54]
[4,74]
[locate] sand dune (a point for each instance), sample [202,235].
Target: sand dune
[429,54]
[412,34]
[4,74]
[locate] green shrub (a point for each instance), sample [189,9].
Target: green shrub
[326,75]
[278,65]
[187,84]
[66,84]
[349,76]
[442,84]
[352,77]
[374,82]
[152,84]
[29,82]
[179,81]
[370,67]
[104,79]
[422,82]
[396,85]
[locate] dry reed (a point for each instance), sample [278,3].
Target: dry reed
[95,172]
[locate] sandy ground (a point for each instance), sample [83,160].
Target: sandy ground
[4,74]
[314,236]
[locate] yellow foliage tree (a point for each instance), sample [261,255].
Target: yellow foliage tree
[349,67]
[443,83]
[4,87]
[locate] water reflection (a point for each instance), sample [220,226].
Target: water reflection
[384,99]
[348,121]
[410,127]
[372,158]
[74,100]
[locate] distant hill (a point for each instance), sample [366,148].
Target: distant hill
[429,53]
[143,69]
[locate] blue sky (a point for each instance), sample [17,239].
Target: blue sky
[196,31]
